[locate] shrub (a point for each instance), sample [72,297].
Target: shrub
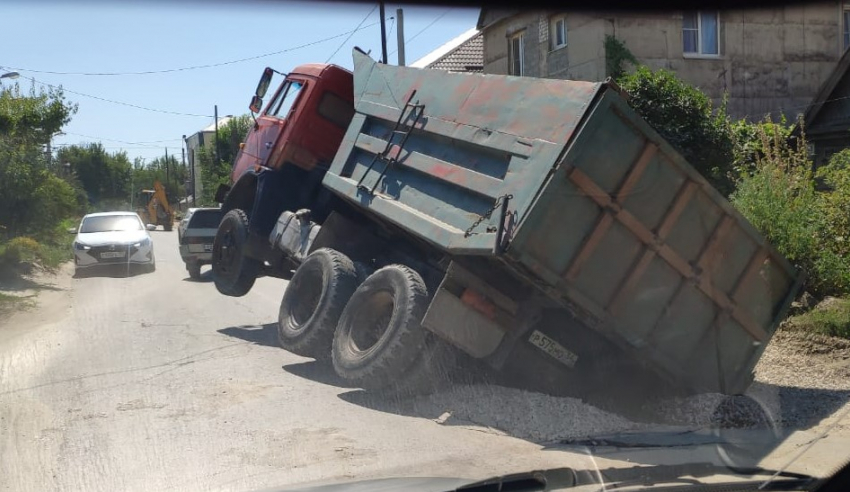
[19,249]
[684,116]
[776,193]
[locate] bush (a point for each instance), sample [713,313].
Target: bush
[18,250]
[777,194]
[831,317]
[684,116]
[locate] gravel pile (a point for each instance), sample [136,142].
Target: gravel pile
[800,380]
[523,414]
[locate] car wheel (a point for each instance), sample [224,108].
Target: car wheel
[313,302]
[380,344]
[233,272]
[194,270]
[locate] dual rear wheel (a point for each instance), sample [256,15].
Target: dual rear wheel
[368,324]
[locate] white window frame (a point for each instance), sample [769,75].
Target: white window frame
[699,52]
[553,32]
[511,69]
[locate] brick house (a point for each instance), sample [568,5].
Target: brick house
[769,60]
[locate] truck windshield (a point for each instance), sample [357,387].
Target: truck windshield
[285,99]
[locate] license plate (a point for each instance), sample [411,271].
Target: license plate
[207,247]
[113,254]
[553,348]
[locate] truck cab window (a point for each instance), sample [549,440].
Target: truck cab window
[285,99]
[336,110]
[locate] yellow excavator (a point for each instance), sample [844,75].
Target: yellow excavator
[157,211]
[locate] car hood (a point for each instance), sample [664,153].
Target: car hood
[111,237]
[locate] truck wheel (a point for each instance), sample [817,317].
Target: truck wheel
[379,342]
[233,272]
[194,270]
[168,226]
[313,302]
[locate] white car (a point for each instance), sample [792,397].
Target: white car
[111,238]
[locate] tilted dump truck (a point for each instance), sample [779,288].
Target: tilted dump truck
[540,226]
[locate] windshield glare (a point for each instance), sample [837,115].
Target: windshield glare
[111,224]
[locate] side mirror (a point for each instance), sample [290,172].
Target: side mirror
[72,230]
[263,85]
[151,227]
[256,104]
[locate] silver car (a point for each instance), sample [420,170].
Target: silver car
[111,238]
[196,238]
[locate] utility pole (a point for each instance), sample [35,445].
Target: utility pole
[217,154]
[383,34]
[399,15]
[166,169]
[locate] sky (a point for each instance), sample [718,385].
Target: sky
[77,38]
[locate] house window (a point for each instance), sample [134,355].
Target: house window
[846,25]
[700,33]
[558,32]
[515,48]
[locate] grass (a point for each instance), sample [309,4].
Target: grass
[9,303]
[828,318]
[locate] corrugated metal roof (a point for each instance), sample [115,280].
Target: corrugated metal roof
[464,53]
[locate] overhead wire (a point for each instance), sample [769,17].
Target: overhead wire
[197,67]
[352,33]
[164,111]
[141,144]
[407,41]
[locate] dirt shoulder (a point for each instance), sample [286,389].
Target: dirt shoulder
[35,300]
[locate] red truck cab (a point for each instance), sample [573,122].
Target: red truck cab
[303,123]
[285,155]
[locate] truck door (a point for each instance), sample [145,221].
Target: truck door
[261,142]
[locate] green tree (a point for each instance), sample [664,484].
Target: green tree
[684,116]
[105,177]
[216,172]
[32,200]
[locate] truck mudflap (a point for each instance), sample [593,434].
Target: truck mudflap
[469,314]
[294,233]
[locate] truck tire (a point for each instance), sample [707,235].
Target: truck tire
[194,270]
[168,226]
[380,344]
[313,302]
[233,272]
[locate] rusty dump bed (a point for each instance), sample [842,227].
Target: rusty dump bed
[604,216]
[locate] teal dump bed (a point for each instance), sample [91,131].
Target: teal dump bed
[603,215]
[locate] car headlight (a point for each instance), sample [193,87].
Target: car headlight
[81,247]
[144,242]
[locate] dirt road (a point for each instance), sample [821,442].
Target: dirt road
[157,382]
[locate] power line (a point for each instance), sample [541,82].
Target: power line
[406,41]
[142,144]
[352,33]
[197,67]
[116,102]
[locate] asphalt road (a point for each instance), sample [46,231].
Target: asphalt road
[157,382]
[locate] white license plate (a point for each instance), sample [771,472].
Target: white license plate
[113,254]
[207,247]
[553,348]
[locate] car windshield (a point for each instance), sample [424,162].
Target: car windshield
[263,245]
[110,223]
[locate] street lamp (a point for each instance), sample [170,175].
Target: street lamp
[10,75]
